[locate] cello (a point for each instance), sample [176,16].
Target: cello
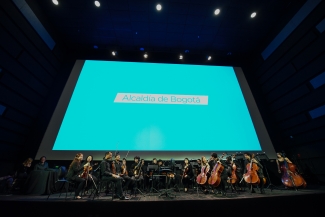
[202,178]
[290,177]
[251,176]
[233,178]
[215,177]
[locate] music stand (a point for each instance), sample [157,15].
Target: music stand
[152,168]
[166,191]
[263,157]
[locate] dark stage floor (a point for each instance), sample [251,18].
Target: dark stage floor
[278,202]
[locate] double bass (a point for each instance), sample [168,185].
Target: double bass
[290,177]
[215,177]
[202,178]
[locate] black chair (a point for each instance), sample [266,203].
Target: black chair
[63,183]
[109,185]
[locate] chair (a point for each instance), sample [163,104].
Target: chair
[110,186]
[64,184]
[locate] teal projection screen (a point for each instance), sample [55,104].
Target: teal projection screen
[152,109]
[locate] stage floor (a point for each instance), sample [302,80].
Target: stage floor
[179,196]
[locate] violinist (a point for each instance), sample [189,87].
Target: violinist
[249,158]
[187,174]
[145,174]
[88,173]
[108,175]
[120,170]
[74,171]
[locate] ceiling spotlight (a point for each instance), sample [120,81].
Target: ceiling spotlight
[253,15]
[55,2]
[180,57]
[97,3]
[114,53]
[158,7]
[217,11]
[209,57]
[145,55]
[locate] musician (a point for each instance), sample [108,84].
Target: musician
[154,161]
[238,171]
[224,174]
[120,172]
[91,179]
[107,175]
[280,161]
[199,168]
[160,163]
[187,174]
[74,171]
[205,167]
[145,174]
[248,159]
[136,172]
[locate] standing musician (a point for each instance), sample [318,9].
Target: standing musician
[107,175]
[199,168]
[187,174]
[249,158]
[74,171]
[280,161]
[238,171]
[120,172]
[91,180]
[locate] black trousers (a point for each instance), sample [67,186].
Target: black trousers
[261,185]
[186,181]
[117,182]
[80,184]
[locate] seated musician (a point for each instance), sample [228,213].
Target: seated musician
[42,165]
[136,172]
[238,172]
[187,174]
[107,175]
[91,179]
[118,171]
[248,159]
[225,173]
[145,174]
[199,167]
[74,171]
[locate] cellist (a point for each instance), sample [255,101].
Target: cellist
[280,161]
[248,158]
[225,173]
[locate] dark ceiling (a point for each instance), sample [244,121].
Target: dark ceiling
[180,25]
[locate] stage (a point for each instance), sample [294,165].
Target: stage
[278,202]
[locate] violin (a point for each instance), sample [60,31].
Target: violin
[113,167]
[215,178]
[202,178]
[124,170]
[290,177]
[185,171]
[85,173]
[251,176]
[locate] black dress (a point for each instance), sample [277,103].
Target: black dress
[187,180]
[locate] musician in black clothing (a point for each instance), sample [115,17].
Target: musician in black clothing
[137,173]
[119,172]
[224,174]
[187,174]
[91,179]
[248,159]
[107,175]
[74,172]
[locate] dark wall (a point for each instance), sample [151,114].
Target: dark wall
[281,85]
[31,79]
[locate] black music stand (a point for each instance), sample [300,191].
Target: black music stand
[166,192]
[263,157]
[195,165]
[152,168]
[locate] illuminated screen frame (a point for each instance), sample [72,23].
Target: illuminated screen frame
[59,113]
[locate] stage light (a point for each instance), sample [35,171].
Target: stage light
[145,55]
[95,46]
[253,15]
[217,11]
[56,2]
[141,48]
[114,53]
[180,57]
[209,57]
[158,7]
[97,3]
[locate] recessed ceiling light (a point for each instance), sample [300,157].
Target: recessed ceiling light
[158,7]
[180,57]
[209,57]
[114,53]
[253,15]
[97,3]
[55,2]
[145,55]
[95,46]
[217,11]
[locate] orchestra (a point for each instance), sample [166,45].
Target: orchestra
[216,175]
